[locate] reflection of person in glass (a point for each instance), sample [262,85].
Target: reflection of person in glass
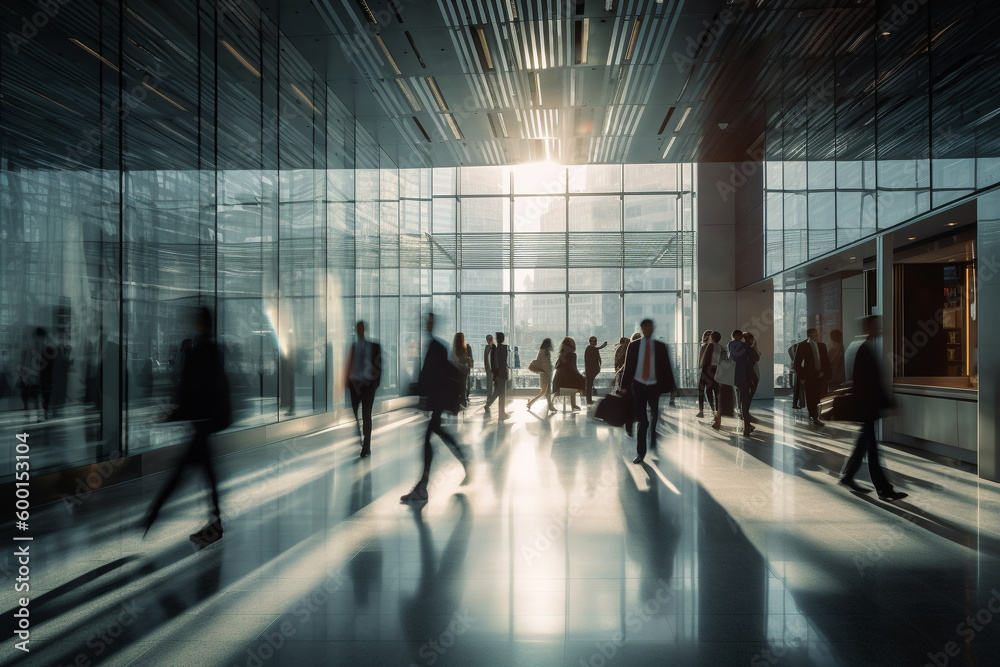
[440,390]
[870,400]
[203,399]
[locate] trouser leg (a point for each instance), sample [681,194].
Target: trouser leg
[865,437]
[432,425]
[175,477]
[640,403]
[204,457]
[367,404]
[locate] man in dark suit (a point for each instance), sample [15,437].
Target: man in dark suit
[500,376]
[488,355]
[592,366]
[203,399]
[745,358]
[364,372]
[812,365]
[440,389]
[870,400]
[648,375]
[793,378]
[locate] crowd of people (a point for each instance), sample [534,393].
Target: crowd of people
[729,377]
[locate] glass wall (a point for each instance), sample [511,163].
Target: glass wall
[546,251]
[875,128]
[153,161]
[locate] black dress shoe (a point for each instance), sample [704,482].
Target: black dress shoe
[817,422]
[700,415]
[365,452]
[852,485]
[638,459]
[889,496]
[747,430]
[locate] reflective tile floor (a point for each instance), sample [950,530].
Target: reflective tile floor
[720,550]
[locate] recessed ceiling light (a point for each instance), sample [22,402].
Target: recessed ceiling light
[852,258]
[911,238]
[951,224]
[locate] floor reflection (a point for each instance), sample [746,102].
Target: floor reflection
[719,550]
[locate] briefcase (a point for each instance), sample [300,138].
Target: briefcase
[726,397]
[614,410]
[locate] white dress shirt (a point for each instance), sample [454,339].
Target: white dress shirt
[645,343]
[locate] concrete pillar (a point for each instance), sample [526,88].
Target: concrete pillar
[884,307]
[988,314]
[720,307]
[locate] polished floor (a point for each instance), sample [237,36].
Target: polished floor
[720,550]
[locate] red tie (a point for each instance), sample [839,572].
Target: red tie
[645,363]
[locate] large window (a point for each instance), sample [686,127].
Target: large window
[545,251]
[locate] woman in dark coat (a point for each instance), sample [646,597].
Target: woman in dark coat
[567,376]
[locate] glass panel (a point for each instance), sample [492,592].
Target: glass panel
[595,178]
[485,180]
[652,178]
[595,214]
[539,214]
[651,213]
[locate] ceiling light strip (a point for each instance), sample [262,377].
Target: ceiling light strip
[243,61]
[670,144]
[487,57]
[95,54]
[503,125]
[366,10]
[450,119]
[154,90]
[305,99]
[385,50]
[633,38]
[684,117]
[581,41]
[408,94]
[436,92]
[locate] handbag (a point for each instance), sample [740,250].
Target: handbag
[725,372]
[536,366]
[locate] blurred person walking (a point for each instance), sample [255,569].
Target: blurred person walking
[708,362]
[592,366]
[567,376]
[620,350]
[870,401]
[488,354]
[440,390]
[203,399]
[462,358]
[741,354]
[754,370]
[648,375]
[542,364]
[838,370]
[364,373]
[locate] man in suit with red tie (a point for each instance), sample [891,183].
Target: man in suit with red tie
[648,375]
